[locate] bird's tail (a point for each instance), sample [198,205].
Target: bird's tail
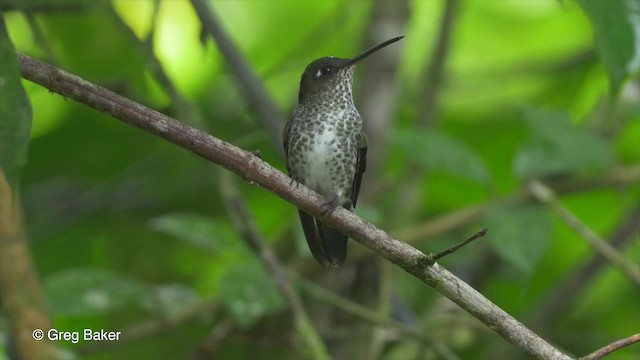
[328,245]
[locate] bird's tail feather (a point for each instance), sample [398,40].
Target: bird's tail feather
[313,239]
[334,244]
[328,245]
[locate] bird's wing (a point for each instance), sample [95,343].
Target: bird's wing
[361,165]
[285,143]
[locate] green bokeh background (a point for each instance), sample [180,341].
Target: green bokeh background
[126,228]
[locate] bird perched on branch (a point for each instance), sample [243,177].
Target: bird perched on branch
[326,147]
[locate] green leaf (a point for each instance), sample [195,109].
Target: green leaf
[248,293]
[616,25]
[556,147]
[520,235]
[15,112]
[87,292]
[437,151]
[626,144]
[171,299]
[201,231]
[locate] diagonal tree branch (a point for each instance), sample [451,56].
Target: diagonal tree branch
[258,172]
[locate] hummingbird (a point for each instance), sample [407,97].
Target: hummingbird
[325,148]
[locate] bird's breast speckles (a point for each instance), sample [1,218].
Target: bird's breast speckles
[323,150]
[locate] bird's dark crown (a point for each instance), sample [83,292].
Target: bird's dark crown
[324,74]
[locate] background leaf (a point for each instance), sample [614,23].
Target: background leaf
[556,147]
[440,152]
[617,31]
[248,293]
[15,112]
[198,230]
[86,292]
[520,235]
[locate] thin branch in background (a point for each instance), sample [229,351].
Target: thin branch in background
[616,345]
[454,248]
[620,177]
[181,107]
[38,36]
[546,196]
[154,23]
[370,316]
[244,224]
[377,336]
[567,290]
[428,111]
[266,111]
[409,195]
[246,165]
[444,223]
[377,100]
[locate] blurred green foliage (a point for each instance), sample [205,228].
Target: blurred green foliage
[15,112]
[127,228]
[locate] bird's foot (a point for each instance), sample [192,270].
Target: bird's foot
[258,154]
[330,206]
[293,182]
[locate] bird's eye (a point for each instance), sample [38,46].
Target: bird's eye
[325,71]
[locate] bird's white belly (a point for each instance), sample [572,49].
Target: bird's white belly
[319,161]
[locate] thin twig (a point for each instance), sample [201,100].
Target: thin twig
[242,221]
[253,169]
[454,248]
[253,90]
[546,196]
[616,345]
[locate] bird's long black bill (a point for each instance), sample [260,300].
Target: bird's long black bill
[372,50]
